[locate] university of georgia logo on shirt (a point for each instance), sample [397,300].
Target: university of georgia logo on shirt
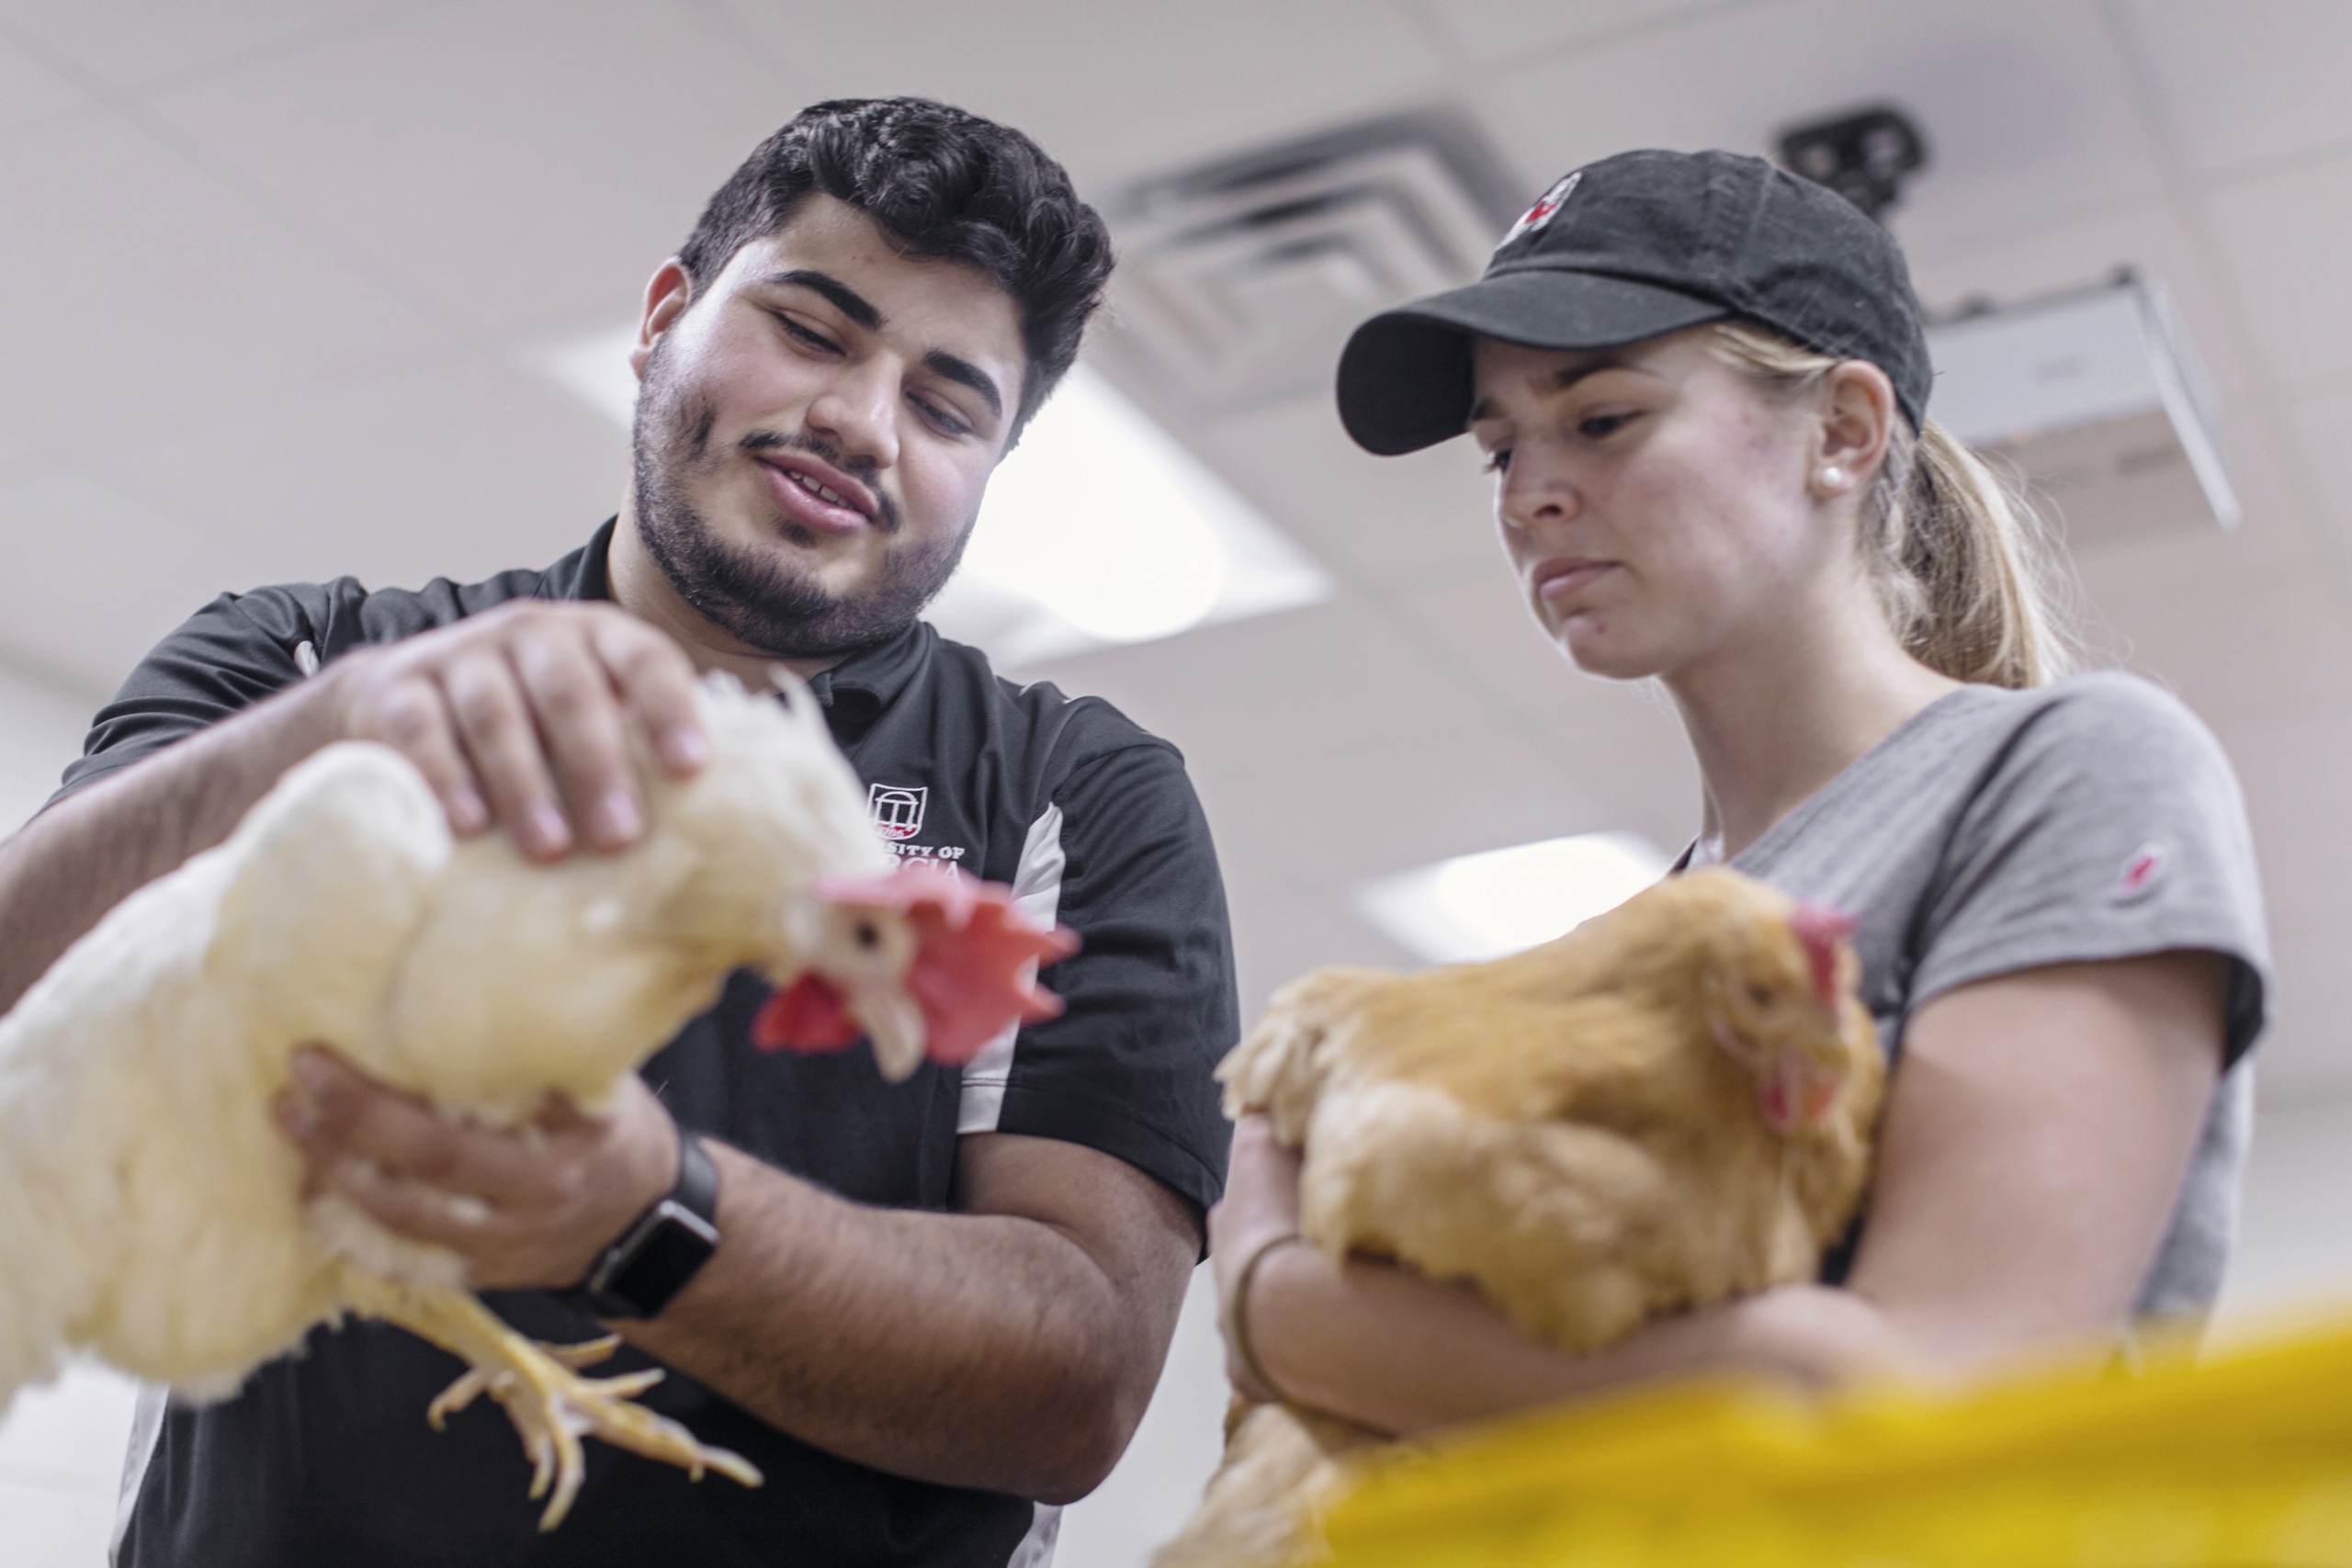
[896,809]
[2141,871]
[1534,217]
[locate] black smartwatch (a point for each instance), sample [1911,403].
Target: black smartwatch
[638,1275]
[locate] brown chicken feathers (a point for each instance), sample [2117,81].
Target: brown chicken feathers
[1668,1106]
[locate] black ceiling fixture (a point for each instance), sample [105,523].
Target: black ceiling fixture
[1861,156]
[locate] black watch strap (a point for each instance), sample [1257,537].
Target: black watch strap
[638,1275]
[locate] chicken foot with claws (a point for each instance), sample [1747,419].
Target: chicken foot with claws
[551,1404]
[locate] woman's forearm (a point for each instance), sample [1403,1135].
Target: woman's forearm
[1388,1349]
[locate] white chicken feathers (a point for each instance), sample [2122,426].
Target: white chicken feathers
[150,1210]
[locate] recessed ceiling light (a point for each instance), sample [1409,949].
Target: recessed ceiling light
[1502,901]
[1112,531]
[1099,528]
[594,370]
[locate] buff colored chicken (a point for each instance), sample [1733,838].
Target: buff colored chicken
[149,1211]
[1667,1107]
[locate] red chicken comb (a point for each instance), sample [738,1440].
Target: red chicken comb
[1820,928]
[974,973]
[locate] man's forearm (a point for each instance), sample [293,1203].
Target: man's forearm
[972,1350]
[61,872]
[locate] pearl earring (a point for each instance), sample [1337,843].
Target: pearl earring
[1833,479]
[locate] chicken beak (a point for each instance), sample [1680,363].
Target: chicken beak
[1795,1093]
[893,1023]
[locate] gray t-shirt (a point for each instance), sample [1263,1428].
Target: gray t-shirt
[1998,830]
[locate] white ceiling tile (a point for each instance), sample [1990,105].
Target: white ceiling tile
[2321,427]
[2070,254]
[2294,770]
[2023,102]
[526,164]
[2131,591]
[1334,743]
[1391,519]
[44,726]
[1619,745]
[2275,540]
[2238,655]
[2305,1050]
[1280,934]
[507,474]
[141,290]
[2283,237]
[1118,91]
[1249,698]
[29,90]
[2246,79]
[19,442]
[94,576]
[1418,788]
[132,41]
[1508,32]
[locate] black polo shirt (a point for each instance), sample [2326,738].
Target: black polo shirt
[324,1456]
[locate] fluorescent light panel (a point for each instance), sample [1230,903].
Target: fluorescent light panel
[595,370]
[1099,529]
[1502,901]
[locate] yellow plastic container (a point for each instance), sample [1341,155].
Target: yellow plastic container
[2243,1460]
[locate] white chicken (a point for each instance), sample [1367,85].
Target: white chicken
[151,1213]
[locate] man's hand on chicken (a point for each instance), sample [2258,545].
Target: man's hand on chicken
[518,719]
[527,1208]
[524,1207]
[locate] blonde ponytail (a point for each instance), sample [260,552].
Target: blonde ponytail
[1962,566]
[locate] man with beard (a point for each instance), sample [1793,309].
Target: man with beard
[937,1309]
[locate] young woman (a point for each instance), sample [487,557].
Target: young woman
[1701,384]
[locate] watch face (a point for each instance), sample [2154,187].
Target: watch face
[681,1243]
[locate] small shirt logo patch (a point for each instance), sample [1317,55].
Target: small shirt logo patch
[1533,220]
[2141,873]
[896,809]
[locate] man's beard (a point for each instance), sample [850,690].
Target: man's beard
[750,594]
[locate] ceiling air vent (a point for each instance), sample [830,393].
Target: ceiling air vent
[1239,280]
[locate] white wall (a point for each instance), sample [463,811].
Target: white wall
[2294,1251]
[1156,1483]
[60,1469]
[41,731]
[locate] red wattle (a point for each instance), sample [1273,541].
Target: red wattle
[807,1016]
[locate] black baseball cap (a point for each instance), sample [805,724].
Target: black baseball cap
[1628,248]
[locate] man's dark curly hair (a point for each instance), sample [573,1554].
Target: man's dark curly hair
[948,185]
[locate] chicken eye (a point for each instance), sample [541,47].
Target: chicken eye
[866,934]
[1760,993]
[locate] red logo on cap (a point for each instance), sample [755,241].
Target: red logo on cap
[1535,217]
